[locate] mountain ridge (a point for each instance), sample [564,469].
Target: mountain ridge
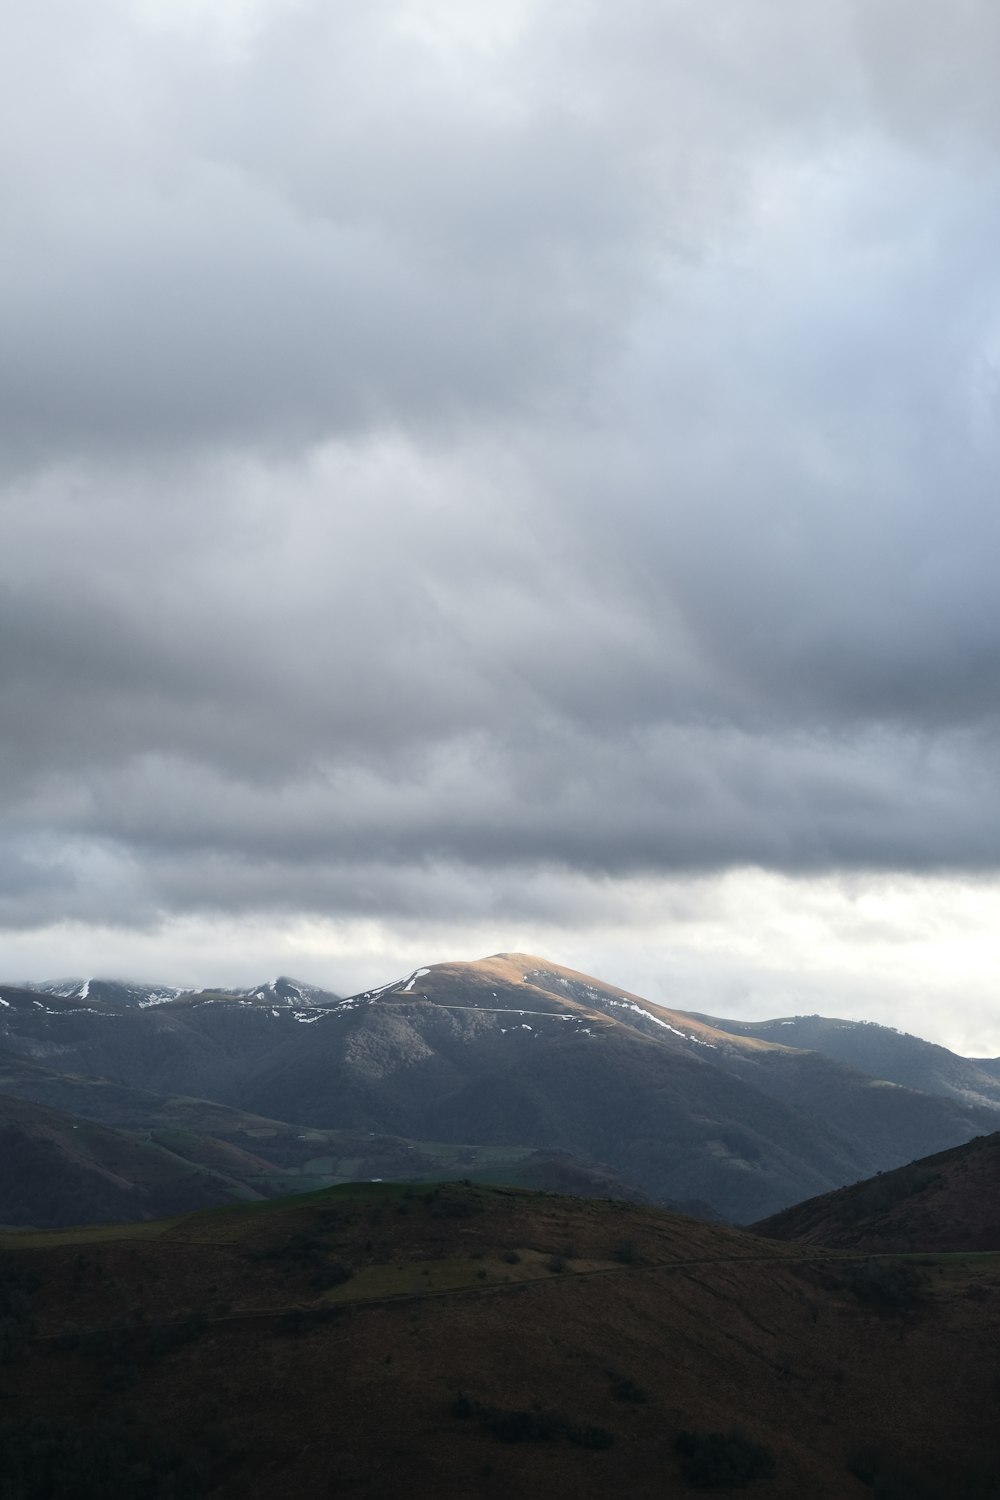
[121,993]
[506,1052]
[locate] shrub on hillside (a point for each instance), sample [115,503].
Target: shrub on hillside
[534,1426]
[888,1286]
[721,1460]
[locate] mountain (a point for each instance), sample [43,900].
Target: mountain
[512,1053]
[113,992]
[452,1342]
[252,1156]
[120,995]
[882,1052]
[283,991]
[294,992]
[946,1202]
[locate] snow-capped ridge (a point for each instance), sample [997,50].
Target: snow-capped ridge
[118,993]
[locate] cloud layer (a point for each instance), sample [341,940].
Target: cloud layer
[447,452]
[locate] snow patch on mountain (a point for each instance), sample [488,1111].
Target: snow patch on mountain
[647,1015]
[417,974]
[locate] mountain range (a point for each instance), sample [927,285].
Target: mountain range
[121,994]
[503,1066]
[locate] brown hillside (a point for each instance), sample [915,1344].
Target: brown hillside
[950,1201]
[377,1341]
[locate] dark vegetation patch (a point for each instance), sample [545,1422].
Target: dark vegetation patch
[530,1426]
[310,1254]
[887,1286]
[625,1389]
[883,1286]
[722,1460]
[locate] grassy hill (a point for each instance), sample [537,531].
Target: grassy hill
[456,1341]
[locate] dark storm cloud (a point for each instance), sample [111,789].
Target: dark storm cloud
[433,459]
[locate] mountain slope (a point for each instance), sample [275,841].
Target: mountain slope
[273,1157]
[56,1169]
[950,1201]
[881,1052]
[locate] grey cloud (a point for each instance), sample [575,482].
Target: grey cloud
[343,227]
[437,483]
[473,829]
[301,243]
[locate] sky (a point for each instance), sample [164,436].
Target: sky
[505,476]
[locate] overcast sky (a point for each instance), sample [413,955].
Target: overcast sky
[505,475]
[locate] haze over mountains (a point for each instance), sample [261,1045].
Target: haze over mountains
[505,1064]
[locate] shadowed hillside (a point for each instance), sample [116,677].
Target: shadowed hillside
[56,1169]
[458,1341]
[167,1154]
[950,1201]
